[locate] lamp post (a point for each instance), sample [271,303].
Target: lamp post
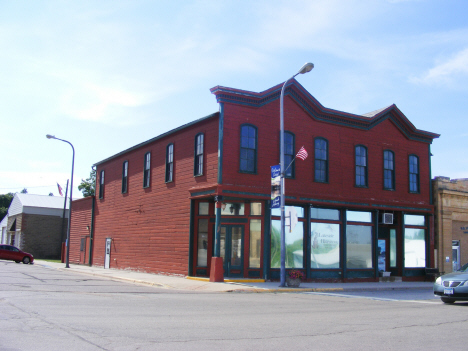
[48,136]
[304,69]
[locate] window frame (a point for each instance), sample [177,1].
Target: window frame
[392,170]
[321,160]
[198,160]
[255,150]
[292,155]
[125,177]
[417,174]
[147,170]
[169,173]
[101,183]
[365,168]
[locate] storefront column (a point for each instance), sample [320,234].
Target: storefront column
[217,271]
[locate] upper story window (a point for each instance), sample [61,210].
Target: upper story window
[389,170]
[146,170]
[199,149]
[169,162]
[321,160]
[124,177]
[101,184]
[289,155]
[413,174]
[248,149]
[361,165]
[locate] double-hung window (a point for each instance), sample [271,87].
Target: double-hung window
[389,170]
[169,163]
[361,166]
[146,170]
[248,149]
[101,184]
[288,155]
[321,160]
[124,177]
[199,149]
[413,174]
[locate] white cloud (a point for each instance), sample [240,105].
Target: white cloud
[450,71]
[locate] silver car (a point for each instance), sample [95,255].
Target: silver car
[453,286]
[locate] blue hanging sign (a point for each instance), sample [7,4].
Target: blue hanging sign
[276,186]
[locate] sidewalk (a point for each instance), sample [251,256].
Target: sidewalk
[246,285]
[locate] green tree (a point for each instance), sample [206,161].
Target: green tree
[24,191]
[5,201]
[88,186]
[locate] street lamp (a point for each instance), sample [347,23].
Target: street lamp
[48,136]
[304,69]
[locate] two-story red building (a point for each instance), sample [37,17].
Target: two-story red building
[362,197]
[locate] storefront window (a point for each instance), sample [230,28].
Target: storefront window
[232,209]
[415,248]
[358,246]
[414,220]
[202,242]
[298,210]
[392,248]
[294,245]
[203,208]
[256,209]
[358,216]
[325,245]
[255,243]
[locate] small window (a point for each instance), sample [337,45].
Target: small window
[169,163]
[203,208]
[289,155]
[359,216]
[361,166]
[256,209]
[389,170]
[324,213]
[413,174]
[248,149]
[232,209]
[124,177]
[199,149]
[321,160]
[101,185]
[147,170]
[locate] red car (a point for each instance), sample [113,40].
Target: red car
[12,253]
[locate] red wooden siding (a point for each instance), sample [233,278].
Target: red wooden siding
[80,221]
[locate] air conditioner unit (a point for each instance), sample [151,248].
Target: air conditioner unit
[387,218]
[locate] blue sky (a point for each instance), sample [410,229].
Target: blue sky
[106,75]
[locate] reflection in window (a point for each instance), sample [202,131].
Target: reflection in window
[255,243]
[325,245]
[232,209]
[198,163]
[392,248]
[358,216]
[324,213]
[202,257]
[101,185]
[203,208]
[124,177]
[146,170]
[169,163]
[298,210]
[256,209]
[294,246]
[415,248]
[358,246]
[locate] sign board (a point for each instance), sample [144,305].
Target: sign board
[276,186]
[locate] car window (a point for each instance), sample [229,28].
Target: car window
[14,249]
[464,268]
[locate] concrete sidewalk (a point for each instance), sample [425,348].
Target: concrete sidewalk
[244,285]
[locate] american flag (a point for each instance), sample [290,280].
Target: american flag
[59,189]
[302,153]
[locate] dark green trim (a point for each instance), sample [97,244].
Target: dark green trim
[207,192]
[360,274]
[245,193]
[220,143]
[191,237]
[267,241]
[225,219]
[375,257]
[431,200]
[334,201]
[217,233]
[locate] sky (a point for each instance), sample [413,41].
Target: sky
[107,75]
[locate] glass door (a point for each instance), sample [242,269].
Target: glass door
[231,249]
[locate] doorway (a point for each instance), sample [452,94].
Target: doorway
[231,249]
[455,255]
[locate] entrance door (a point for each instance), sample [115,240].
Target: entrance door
[382,258]
[456,255]
[232,243]
[108,250]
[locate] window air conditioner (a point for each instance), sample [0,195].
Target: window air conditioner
[387,218]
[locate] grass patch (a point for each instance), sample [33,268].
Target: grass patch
[55,261]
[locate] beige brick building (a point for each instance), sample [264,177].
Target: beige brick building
[451,222]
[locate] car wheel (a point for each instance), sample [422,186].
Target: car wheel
[26,260]
[447,300]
